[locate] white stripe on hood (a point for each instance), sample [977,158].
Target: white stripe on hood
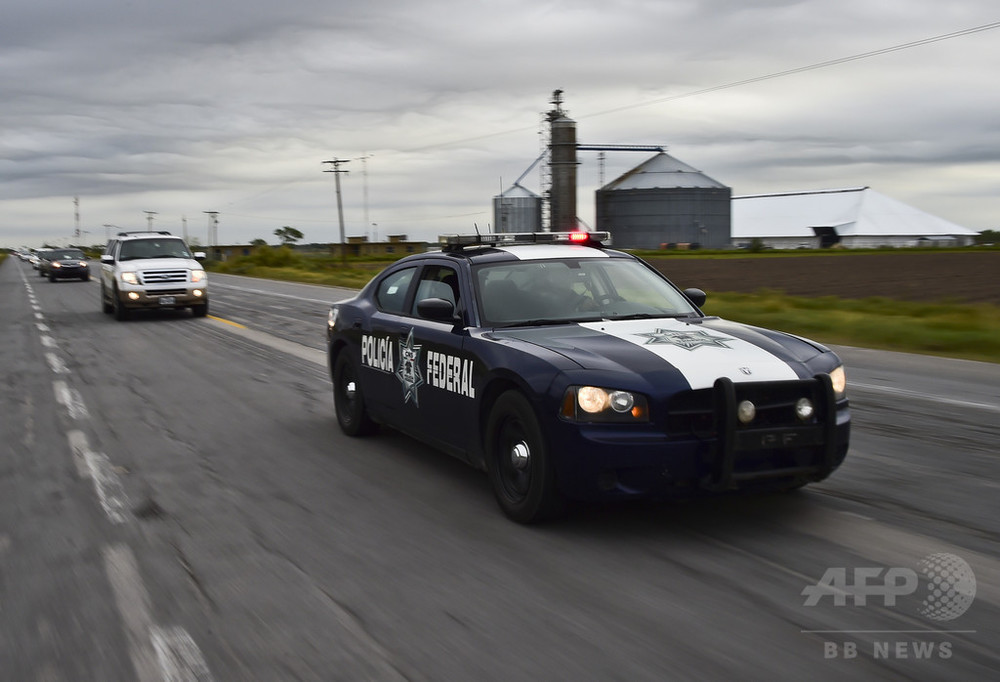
[701,354]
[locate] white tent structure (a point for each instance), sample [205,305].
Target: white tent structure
[857,217]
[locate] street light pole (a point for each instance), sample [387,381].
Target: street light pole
[149,220]
[340,207]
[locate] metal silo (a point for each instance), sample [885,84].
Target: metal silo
[563,163]
[517,210]
[664,203]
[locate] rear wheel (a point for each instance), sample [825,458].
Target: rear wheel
[519,463]
[349,401]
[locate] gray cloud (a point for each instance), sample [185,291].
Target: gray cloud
[188,106]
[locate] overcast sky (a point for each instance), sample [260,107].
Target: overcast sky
[188,106]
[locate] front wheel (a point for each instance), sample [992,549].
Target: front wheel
[349,401]
[519,463]
[105,304]
[200,310]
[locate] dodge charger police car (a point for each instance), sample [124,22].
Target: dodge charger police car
[567,370]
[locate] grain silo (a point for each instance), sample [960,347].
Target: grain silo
[563,163]
[664,203]
[517,210]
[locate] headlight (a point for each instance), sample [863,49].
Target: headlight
[57,265]
[197,275]
[331,318]
[595,404]
[129,278]
[839,379]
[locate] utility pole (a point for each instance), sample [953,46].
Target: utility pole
[76,215]
[364,178]
[340,206]
[184,228]
[149,220]
[213,227]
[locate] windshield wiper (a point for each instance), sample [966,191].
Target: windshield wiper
[538,322]
[650,316]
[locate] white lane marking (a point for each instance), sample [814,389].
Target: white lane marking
[988,407]
[297,349]
[327,301]
[78,445]
[178,655]
[70,399]
[42,327]
[56,364]
[48,341]
[157,654]
[107,484]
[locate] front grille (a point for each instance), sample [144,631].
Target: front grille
[162,276]
[693,413]
[166,292]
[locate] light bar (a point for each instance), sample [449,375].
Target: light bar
[457,241]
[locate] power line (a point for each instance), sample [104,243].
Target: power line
[803,69]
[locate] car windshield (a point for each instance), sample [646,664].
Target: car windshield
[154,248]
[574,290]
[67,255]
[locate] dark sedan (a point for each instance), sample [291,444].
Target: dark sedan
[571,371]
[63,264]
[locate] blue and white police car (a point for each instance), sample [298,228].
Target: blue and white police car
[567,370]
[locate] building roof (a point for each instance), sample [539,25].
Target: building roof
[663,171]
[855,211]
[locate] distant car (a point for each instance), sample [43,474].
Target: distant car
[145,270]
[63,264]
[569,371]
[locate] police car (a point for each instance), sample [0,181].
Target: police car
[567,370]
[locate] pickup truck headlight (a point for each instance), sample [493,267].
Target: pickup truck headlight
[129,278]
[606,405]
[197,275]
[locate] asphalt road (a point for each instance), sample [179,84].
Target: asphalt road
[177,502]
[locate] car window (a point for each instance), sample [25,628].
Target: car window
[154,248]
[437,281]
[391,292]
[574,290]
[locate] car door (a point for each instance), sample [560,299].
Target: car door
[415,368]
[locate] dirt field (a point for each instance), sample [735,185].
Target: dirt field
[972,276]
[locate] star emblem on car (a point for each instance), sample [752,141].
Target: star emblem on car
[688,340]
[408,372]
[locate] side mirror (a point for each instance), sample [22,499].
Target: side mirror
[696,296]
[436,309]
[200,255]
[106,258]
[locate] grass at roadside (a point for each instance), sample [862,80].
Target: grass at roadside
[954,330]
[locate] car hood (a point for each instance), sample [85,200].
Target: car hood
[700,349]
[159,264]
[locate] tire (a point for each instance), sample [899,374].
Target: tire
[120,311]
[52,278]
[84,278]
[106,306]
[200,310]
[349,401]
[519,463]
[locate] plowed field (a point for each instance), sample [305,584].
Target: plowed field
[968,277]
